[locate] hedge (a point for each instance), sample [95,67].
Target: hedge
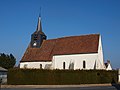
[60,77]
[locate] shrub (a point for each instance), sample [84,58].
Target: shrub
[60,77]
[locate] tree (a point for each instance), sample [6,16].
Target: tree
[7,61]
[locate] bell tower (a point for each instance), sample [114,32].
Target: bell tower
[38,36]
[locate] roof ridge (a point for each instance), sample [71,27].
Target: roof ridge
[73,36]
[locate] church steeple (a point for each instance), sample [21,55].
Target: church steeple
[38,36]
[39,26]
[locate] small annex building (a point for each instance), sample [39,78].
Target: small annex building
[72,52]
[3,75]
[108,65]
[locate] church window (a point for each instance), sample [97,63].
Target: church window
[84,64]
[25,66]
[35,37]
[63,65]
[40,66]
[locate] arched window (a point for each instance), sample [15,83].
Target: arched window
[40,66]
[25,66]
[63,65]
[84,64]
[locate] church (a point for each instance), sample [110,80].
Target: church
[82,52]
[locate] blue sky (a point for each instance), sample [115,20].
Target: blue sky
[18,20]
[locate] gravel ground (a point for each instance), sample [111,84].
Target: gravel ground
[52,86]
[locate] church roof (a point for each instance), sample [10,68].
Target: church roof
[83,44]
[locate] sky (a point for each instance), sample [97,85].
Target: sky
[60,18]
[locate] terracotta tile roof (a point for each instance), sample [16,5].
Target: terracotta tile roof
[62,46]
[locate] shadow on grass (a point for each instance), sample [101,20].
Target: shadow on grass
[116,85]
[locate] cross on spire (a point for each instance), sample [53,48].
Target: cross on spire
[40,12]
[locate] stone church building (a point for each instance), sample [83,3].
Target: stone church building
[72,52]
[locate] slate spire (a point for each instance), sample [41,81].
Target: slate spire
[39,25]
